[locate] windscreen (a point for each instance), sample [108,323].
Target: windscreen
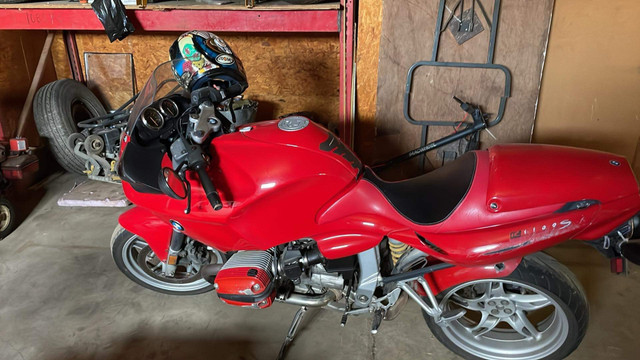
[161,83]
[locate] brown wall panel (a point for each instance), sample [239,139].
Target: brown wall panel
[19,55]
[287,72]
[367,55]
[60,57]
[590,94]
[407,37]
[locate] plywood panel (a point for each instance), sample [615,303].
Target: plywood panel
[287,72]
[407,37]
[19,55]
[368,42]
[590,93]
[60,57]
[110,77]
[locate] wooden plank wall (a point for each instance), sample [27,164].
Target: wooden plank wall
[368,48]
[287,72]
[19,55]
[590,95]
[407,37]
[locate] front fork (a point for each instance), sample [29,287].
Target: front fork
[176,245]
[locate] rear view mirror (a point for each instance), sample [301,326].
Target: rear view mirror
[171,184]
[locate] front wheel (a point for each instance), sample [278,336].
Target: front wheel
[540,311]
[138,262]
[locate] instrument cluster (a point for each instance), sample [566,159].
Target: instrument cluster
[158,119]
[155,115]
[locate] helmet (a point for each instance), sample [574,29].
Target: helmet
[201,59]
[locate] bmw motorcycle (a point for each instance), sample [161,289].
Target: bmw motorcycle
[283,211]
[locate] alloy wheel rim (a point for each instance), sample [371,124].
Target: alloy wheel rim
[139,261]
[505,319]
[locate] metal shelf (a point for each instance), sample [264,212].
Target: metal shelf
[185,15]
[176,16]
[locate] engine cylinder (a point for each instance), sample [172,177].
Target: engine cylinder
[247,280]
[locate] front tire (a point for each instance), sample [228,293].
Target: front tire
[136,260]
[540,311]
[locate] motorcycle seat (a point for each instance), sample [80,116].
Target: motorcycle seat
[432,197]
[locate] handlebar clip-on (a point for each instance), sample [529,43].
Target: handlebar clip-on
[191,155]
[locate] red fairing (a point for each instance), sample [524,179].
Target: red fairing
[278,186]
[477,234]
[148,226]
[271,182]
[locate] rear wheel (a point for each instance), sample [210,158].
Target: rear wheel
[138,262]
[538,312]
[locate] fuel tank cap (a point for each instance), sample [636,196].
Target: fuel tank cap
[293,123]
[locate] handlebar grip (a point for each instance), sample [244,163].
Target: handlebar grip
[209,189]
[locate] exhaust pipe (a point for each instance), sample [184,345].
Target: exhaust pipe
[308,300]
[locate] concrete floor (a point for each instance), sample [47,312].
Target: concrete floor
[62,297]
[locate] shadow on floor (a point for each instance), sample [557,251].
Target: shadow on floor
[140,347]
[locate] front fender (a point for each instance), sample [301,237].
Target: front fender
[146,225]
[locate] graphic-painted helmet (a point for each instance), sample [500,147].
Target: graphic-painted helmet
[203,59]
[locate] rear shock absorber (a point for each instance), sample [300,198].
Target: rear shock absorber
[397,249]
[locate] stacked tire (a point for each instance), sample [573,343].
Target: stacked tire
[57,109]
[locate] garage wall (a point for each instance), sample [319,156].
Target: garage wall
[367,56]
[19,55]
[287,72]
[590,94]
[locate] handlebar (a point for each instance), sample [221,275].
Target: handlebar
[207,185]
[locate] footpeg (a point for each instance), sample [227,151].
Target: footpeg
[343,321]
[378,315]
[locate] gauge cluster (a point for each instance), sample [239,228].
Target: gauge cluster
[154,116]
[157,120]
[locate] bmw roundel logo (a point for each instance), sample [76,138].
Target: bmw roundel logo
[176,225]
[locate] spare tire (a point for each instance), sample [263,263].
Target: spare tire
[57,109]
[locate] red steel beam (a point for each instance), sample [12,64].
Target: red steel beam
[177,20]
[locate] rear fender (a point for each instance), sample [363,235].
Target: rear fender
[446,278]
[146,225]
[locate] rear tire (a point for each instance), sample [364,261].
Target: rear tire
[57,108]
[559,317]
[137,261]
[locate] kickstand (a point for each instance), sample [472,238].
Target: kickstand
[297,319]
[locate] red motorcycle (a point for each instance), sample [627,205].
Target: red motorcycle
[295,217]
